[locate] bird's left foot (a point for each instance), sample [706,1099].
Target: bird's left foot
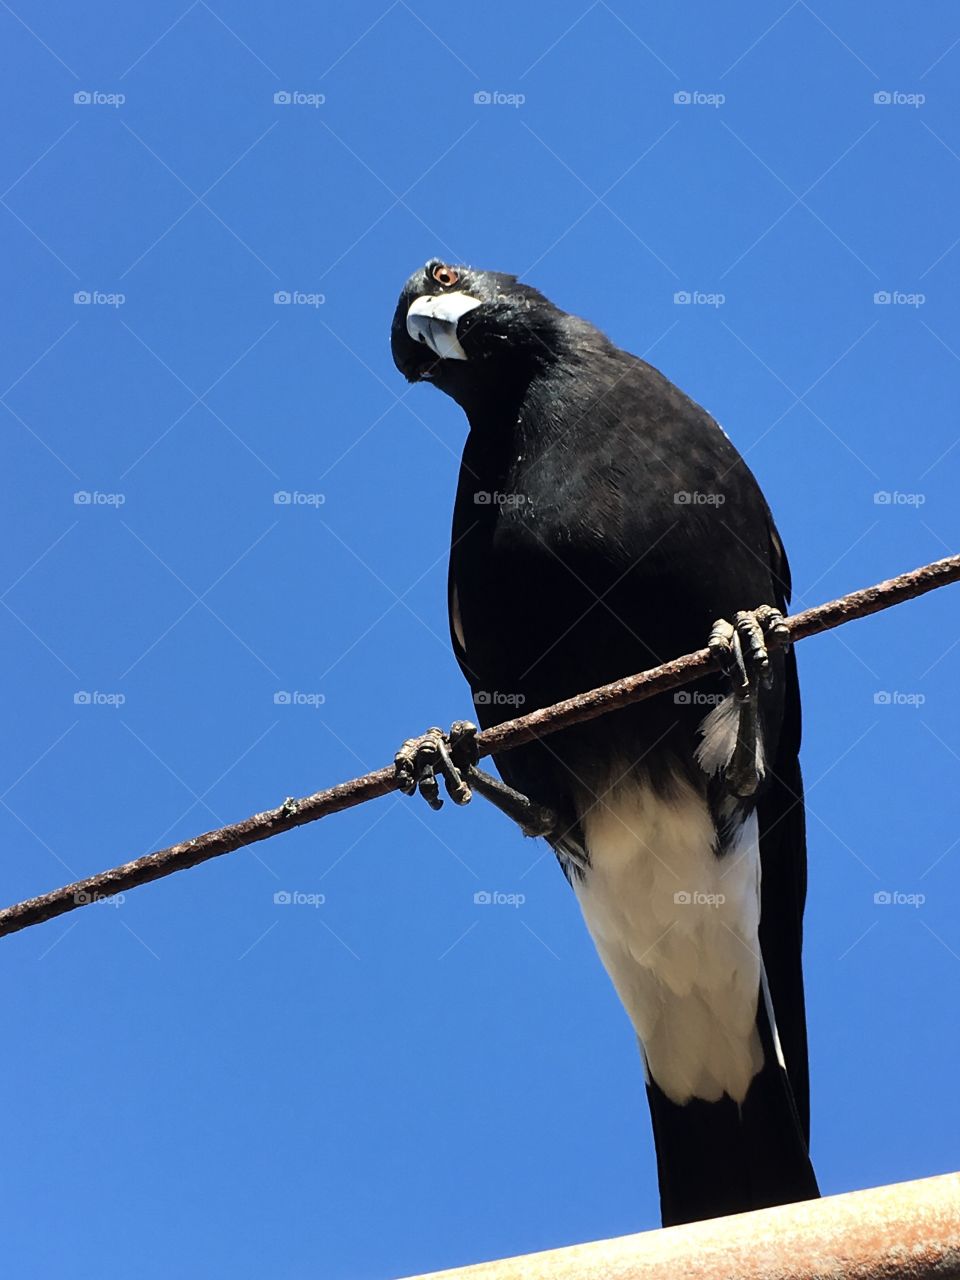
[741,649]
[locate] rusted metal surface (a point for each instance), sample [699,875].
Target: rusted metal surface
[503,737]
[909,1231]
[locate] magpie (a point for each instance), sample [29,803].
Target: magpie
[605,523]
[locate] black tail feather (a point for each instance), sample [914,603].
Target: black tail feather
[717,1158]
[783,888]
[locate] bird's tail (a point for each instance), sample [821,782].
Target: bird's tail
[718,1158]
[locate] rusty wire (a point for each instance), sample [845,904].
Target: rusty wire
[503,737]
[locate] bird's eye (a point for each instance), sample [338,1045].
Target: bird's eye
[446,276]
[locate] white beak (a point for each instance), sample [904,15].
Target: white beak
[433,320]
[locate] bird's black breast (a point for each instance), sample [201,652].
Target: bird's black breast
[598,530]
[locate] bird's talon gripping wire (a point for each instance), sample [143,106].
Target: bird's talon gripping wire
[419,760]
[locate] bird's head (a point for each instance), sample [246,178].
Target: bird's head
[474,334]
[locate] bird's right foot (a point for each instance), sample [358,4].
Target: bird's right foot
[419,760]
[454,757]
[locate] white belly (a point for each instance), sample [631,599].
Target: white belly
[677,930]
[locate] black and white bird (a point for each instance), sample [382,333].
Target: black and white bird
[604,523]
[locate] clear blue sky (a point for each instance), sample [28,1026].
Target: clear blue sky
[201,1081]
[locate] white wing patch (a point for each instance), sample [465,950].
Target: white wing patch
[456,622]
[719,739]
[677,930]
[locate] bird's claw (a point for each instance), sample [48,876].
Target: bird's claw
[741,647]
[419,760]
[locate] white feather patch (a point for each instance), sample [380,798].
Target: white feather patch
[456,621]
[677,930]
[718,740]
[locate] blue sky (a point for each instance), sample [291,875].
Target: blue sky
[201,1081]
